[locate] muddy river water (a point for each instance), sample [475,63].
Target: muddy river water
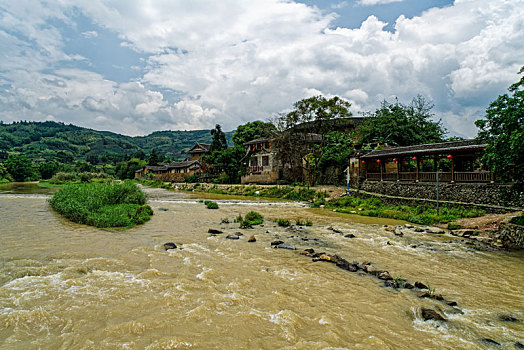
[70,286]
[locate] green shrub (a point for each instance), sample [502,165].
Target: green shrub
[518,220]
[453,226]
[283,222]
[103,204]
[309,223]
[211,204]
[254,218]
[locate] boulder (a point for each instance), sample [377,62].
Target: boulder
[334,229]
[391,283]
[232,236]
[439,297]
[429,314]
[372,270]
[398,232]
[407,285]
[423,294]
[519,345]
[408,226]
[252,238]
[285,246]
[384,275]
[276,243]
[306,254]
[420,285]
[350,235]
[310,250]
[451,303]
[214,231]
[239,234]
[389,228]
[169,245]
[419,229]
[489,341]
[508,318]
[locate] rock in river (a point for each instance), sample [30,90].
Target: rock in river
[277,242]
[285,246]
[429,314]
[233,236]
[252,239]
[350,235]
[214,231]
[169,245]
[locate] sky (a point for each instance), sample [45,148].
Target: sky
[136,66]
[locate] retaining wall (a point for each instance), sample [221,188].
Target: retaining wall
[482,194]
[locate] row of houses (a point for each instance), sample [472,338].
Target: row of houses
[456,161]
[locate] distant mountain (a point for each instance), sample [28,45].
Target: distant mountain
[58,141]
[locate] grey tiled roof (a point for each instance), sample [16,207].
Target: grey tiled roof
[442,147]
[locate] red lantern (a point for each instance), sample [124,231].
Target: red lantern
[363,162]
[395,160]
[414,158]
[378,160]
[422,160]
[403,162]
[449,156]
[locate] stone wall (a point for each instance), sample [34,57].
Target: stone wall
[509,235]
[482,194]
[266,177]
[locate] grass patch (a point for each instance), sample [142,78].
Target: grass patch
[251,219]
[283,222]
[421,214]
[211,204]
[518,220]
[282,192]
[109,204]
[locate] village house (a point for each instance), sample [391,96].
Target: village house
[174,171]
[455,161]
[198,151]
[262,167]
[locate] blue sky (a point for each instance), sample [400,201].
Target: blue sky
[135,67]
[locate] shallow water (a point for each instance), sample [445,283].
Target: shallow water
[65,286]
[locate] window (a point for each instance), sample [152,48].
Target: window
[253,161]
[265,160]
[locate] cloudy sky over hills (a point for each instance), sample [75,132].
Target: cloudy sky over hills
[133,66]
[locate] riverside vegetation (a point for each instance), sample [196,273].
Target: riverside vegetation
[102,205]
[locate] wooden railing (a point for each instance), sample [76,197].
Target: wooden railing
[483,176]
[259,169]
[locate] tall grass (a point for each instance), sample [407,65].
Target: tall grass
[109,204]
[421,214]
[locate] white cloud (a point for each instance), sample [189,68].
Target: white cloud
[376,2]
[90,34]
[233,61]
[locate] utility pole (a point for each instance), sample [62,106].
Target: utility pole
[438,161]
[347,181]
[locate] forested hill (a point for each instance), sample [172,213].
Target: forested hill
[65,143]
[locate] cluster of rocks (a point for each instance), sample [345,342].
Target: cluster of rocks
[400,229]
[231,236]
[423,291]
[336,230]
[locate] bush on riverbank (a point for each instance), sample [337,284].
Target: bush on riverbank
[62,177]
[421,214]
[211,204]
[283,192]
[103,204]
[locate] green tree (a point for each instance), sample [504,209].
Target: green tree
[126,170]
[339,146]
[153,158]
[219,139]
[402,125]
[301,141]
[4,174]
[20,168]
[228,161]
[503,131]
[252,130]
[48,169]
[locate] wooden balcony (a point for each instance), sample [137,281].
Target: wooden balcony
[484,176]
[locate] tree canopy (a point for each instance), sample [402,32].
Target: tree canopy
[302,140]
[397,124]
[503,131]
[251,131]
[219,139]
